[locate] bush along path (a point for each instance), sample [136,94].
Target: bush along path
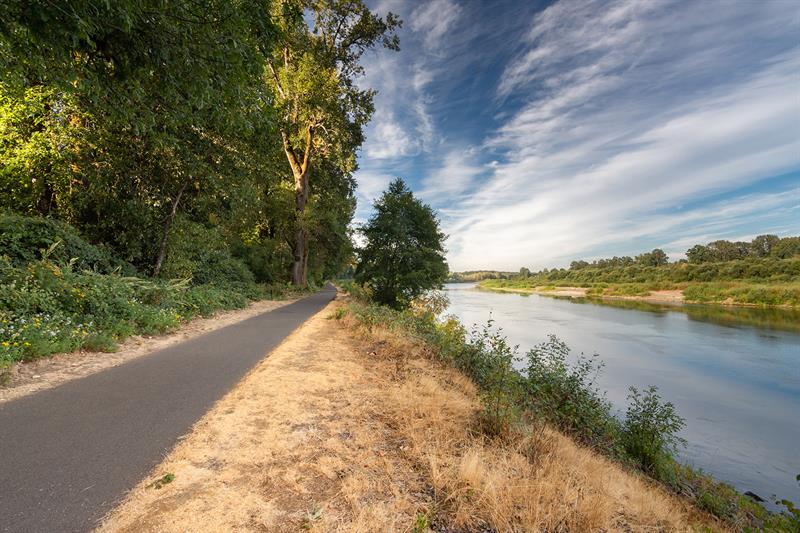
[70,453]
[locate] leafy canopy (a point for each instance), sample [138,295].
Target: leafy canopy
[404,252]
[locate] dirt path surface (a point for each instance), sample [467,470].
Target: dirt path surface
[342,430]
[71,452]
[48,372]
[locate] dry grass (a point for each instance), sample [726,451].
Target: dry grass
[342,431]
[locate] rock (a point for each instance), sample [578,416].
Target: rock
[755,497]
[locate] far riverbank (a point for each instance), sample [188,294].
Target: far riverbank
[736,295]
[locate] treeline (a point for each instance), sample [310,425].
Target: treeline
[190,139]
[766,258]
[477,275]
[760,247]
[162,159]
[714,252]
[767,269]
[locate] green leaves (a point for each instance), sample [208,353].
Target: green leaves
[650,430]
[404,254]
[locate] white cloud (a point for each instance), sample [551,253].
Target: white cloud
[388,139]
[610,117]
[433,20]
[608,141]
[454,176]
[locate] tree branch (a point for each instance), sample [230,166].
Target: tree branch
[309,146]
[277,80]
[290,155]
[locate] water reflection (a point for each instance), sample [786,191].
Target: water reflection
[729,316]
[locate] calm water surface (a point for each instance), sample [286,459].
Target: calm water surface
[733,374]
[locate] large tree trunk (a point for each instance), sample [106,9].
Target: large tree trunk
[301,172]
[300,258]
[162,250]
[300,250]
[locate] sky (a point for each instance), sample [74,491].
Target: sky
[543,132]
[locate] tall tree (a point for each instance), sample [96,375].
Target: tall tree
[152,94]
[404,253]
[321,110]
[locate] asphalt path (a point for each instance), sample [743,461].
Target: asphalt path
[70,453]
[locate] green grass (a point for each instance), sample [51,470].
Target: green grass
[745,293]
[48,308]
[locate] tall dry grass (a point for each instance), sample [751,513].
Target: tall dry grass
[536,480]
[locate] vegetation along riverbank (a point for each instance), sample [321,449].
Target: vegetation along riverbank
[763,272]
[554,392]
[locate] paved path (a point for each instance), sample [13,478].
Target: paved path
[69,454]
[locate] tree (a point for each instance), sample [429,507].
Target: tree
[657,257]
[141,102]
[524,272]
[404,252]
[321,110]
[762,245]
[699,254]
[787,247]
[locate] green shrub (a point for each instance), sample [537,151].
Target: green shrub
[100,342]
[25,239]
[491,364]
[202,254]
[565,394]
[650,431]
[47,308]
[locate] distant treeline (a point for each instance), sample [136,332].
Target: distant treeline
[767,257]
[764,271]
[714,252]
[478,275]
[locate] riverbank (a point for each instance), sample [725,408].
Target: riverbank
[779,296]
[349,426]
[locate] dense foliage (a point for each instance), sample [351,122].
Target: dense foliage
[157,130]
[59,293]
[478,275]
[403,256]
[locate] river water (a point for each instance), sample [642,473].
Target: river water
[732,373]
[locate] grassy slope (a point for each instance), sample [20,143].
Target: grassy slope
[349,427]
[445,343]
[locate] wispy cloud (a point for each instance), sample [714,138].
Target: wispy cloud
[432,20]
[604,121]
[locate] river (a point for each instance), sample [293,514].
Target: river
[732,373]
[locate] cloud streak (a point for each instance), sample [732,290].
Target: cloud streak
[612,127]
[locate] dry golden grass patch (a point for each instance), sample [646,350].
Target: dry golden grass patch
[340,430]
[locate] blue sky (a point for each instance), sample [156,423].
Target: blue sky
[543,132]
